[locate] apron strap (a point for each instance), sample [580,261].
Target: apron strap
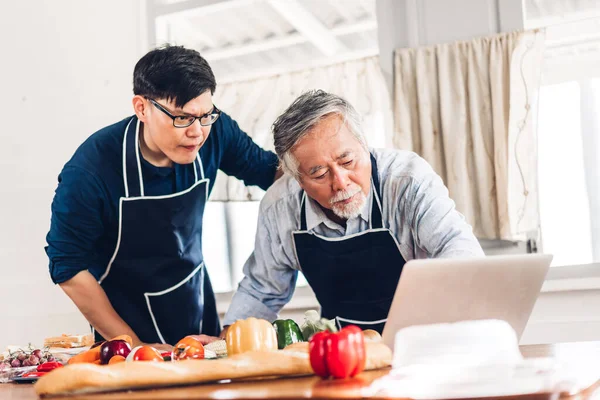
[132,167]
[302,210]
[376,218]
[198,169]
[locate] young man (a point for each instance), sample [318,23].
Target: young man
[125,237]
[346,216]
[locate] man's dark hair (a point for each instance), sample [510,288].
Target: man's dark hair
[173,73]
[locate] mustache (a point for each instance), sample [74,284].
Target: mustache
[345,194]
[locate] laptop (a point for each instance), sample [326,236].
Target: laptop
[446,290]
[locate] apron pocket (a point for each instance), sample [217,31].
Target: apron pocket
[376,325]
[177,311]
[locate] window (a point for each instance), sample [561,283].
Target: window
[569,143]
[228,240]
[215,247]
[565,212]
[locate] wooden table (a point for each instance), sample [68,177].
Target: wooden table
[307,387]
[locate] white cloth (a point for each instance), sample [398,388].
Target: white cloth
[474,359]
[467,108]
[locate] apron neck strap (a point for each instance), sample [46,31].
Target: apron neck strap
[302,210]
[198,169]
[132,164]
[132,167]
[375,220]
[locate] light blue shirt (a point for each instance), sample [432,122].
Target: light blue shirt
[416,209]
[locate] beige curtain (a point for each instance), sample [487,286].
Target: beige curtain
[467,108]
[256,104]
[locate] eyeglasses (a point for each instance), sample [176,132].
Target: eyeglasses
[183,121]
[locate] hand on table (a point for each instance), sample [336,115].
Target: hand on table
[205,339]
[224,332]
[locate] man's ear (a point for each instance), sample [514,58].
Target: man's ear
[140,107]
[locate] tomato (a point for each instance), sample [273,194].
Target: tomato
[188,348]
[116,359]
[145,353]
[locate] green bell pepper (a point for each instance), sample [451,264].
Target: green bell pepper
[288,332]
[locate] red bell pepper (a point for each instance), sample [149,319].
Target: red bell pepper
[48,366]
[340,355]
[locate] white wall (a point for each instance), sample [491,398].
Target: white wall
[66,71]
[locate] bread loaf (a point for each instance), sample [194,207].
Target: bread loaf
[86,378]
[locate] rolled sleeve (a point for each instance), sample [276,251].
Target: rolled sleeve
[75,226]
[269,280]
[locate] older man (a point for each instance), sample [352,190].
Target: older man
[346,216]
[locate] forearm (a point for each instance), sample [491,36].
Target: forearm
[440,229]
[245,305]
[90,298]
[462,244]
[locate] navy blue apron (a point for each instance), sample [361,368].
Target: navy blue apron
[354,277]
[156,280]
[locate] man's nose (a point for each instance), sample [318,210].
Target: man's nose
[340,179]
[195,129]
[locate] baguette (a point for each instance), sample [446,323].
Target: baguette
[87,378]
[372,336]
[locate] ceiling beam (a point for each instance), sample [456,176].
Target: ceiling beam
[343,10]
[286,41]
[182,28]
[356,27]
[309,26]
[368,7]
[254,47]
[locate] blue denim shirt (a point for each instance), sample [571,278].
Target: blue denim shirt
[416,209]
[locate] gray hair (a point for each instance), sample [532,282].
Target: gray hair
[302,115]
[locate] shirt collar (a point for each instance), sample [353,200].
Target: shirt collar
[316,216]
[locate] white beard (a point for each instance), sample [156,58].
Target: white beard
[352,209]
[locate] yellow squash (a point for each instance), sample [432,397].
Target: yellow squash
[250,334]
